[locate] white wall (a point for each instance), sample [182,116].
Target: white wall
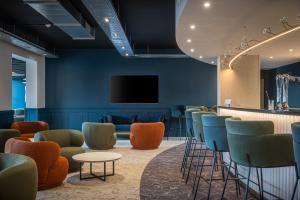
[36,80]
[240,84]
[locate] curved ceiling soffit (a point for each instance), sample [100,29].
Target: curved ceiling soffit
[213,35]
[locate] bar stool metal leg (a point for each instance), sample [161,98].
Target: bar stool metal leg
[247,185]
[191,163]
[196,186]
[212,173]
[226,179]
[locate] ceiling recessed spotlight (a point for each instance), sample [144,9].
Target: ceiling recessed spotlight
[188,40]
[48,25]
[212,62]
[192,50]
[192,26]
[126,54]
[45,54]
[106,19]
[123,47]
[206,4]
[115,35]
[200,57]
[291,50]
[271,57]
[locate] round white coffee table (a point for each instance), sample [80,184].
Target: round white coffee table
[97,157]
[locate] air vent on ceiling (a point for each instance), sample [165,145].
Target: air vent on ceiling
[67,19]
[104,13]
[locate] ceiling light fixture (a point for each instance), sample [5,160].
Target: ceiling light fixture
[206,4]
[126,54]
[123,47]
[106,19]
[212,62]
[192,50]
[192,26]
[188,40]
[48,25]
[115,34]
[200,57]
[271,57]
[279,35]
[291,50]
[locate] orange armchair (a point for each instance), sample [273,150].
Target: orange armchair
[52,168]
[28,129]
[146,135]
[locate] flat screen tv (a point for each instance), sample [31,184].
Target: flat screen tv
[134,89]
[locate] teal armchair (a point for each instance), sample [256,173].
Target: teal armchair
[253,144]
[18,177]
[70,141]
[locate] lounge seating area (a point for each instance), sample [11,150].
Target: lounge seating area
[149,100]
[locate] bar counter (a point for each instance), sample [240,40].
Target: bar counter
[278,181]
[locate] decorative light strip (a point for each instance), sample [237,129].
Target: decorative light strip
[263,42]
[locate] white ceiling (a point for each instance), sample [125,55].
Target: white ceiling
[221,28]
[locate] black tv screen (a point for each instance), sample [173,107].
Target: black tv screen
[134,89]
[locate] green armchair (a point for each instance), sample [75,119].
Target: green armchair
[70,141]
[99,135]
[6,134]
[18,177]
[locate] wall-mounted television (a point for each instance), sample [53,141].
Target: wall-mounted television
[134,89]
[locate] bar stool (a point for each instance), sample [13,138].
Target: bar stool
[296,145]
[216,140]
[190,137]
[253,144]
[177,112]
[199,137]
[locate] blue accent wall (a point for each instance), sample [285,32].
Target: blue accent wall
[294,87]
[6,118]
[18,94]
[77,84]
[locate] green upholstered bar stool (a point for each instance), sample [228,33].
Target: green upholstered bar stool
[253,144]
[190,140]
[215,137]
[18,177]
[296,145]
[70,142]
[6,134]
[199,137]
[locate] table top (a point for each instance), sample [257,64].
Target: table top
[96,157]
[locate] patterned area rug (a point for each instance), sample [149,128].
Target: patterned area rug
[124,185]
[162,180]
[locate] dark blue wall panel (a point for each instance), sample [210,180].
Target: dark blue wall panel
[6,118]
[77,85]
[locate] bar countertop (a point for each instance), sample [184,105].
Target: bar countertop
[292,111]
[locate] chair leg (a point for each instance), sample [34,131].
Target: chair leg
[258,183]
[212,173]
[196,186]
[237,183]
[191,163]
[185,153]
[247,186]
[295,188]
[187,157]
[226,179]
[262,184]
[180,126]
